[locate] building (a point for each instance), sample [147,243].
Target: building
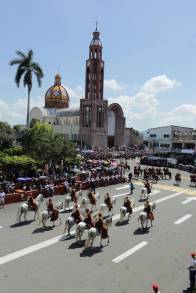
[170,137]
[94,123]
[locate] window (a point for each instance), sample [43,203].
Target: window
[100,113]
[87,116]
[152,135]
[166,135]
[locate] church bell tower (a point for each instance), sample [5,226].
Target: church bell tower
[93,108]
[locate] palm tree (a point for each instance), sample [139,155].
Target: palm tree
[26,69]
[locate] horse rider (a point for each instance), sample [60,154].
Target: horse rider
[92,197]
[147,186]
[128,205]
[77,215]
[178,177]
[52,211]
[89,219]
[31,203]
[73,195]
[148,210]
[99,223]
[108,202]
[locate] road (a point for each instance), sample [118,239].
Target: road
[37,260]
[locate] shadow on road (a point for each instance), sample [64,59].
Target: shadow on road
[77,244]
[141,231]
[21,224]
[67,237]
[42,229]
[125,222]
[91,251]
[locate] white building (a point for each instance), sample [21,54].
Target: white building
[169,137]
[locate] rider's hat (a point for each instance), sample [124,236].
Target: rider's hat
[193,254]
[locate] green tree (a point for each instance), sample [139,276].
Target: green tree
[26,68]
[6,136]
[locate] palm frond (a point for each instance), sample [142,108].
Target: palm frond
[30,55]
[19,73]
[15,61]
[21,54]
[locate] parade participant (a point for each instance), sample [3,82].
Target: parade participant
[77,215]
[73,195]
[99,223]
[108,202]
[130,176]
[148,210]
[192,271]
[89,219]
[131,186]
[92,197]
[31,203]
[128,205]
[52,211]
[2,198]
[147,186]
[155,288]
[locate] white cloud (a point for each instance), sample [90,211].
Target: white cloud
[159,84]
[112,84]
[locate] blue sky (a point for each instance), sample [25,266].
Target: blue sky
[149,49]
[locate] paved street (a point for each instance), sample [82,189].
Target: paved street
[37,260]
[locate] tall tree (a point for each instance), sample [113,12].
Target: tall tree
[26,69]
[7,136]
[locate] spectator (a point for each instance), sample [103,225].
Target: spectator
[192,271]
[2,198]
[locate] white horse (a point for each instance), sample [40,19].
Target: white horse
[23,209]
[85,202]
[93,233]
[69,223]
[45,215]
[123,211]
[143,194]
[104,207]
[143,218]
[80,228]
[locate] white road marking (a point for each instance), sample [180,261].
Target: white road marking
[129,252]
[181,220]
[122,187]
[20,253]
[122,194]
[1,227]
[188,199]
[140,208]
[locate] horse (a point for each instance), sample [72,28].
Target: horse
[178,179]
[143,217]
[69,223]
[86,201]
[24,208]
[123,211]
[193,180]
[80,228]
[103,206]
[45,215]
[143,194]
[93,233]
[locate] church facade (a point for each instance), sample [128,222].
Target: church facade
[94,123]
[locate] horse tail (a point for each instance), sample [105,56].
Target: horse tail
[66,226]
[77,232]
[18,213]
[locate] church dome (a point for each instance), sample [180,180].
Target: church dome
[57,96]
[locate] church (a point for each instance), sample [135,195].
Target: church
[94,123]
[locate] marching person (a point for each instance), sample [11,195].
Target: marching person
[99,223]
[192,271]
[131,186]
[148,210]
